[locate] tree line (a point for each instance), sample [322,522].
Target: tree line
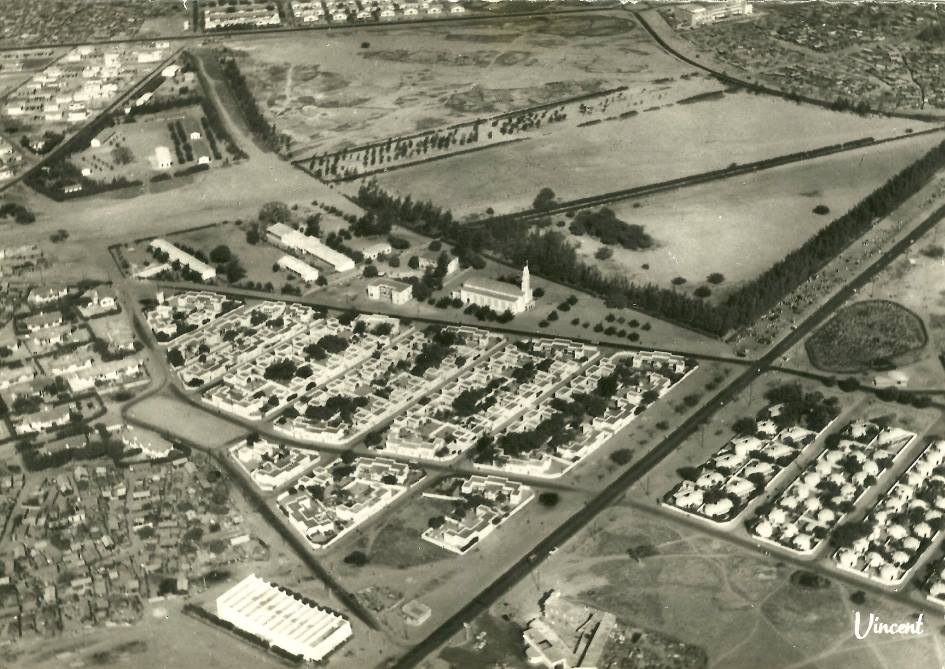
[551,255]
[258,125]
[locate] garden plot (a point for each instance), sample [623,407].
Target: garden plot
[866,335]
[829,488]
[902,526]
[568,425]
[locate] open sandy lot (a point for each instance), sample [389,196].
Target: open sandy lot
[327,90]
[750,222]
[739,605]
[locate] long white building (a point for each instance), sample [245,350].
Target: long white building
[205,271]
[283,236]
[278,616]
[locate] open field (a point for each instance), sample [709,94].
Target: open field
[658,145]
[744,609]
[750,222]
[185,421]
[864,334]
[326,91]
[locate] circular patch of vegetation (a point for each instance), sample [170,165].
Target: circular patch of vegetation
[715,278]
[549,499]
[821,210]
[863,333]
[809,580]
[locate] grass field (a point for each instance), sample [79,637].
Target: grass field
[666,143]
[749,222]
[866,332]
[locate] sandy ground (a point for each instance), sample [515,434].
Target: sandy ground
[316,86]
[749,222]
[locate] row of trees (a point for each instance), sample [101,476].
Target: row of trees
[260,127]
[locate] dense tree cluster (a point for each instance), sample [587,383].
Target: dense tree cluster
[605,226]
[17,212]
[340,405]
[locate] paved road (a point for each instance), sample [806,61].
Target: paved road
[613,492]
[379,308]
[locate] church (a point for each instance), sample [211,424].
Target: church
[498,295]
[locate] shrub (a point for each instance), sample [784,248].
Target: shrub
[622,456]
[549,499]
[356,558]
[702,292]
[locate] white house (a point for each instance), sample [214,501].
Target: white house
[390,290]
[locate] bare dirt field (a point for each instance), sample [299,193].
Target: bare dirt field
[329,91]
[185,421]
[739,605]
[775,206]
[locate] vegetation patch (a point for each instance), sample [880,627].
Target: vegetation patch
[865,335]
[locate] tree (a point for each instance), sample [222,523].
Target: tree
[356,558]
[122,155]
[549,499]
[846,534]
[688,473]
[745,426]
[715,278]
[436,522]
[848,384]
[274,212]
[413,262]
[220,254]
[622,456]
[603,253]
[544,200]
[370,272]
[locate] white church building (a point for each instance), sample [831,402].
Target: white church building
[498,295]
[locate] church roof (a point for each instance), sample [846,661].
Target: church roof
[493,288]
